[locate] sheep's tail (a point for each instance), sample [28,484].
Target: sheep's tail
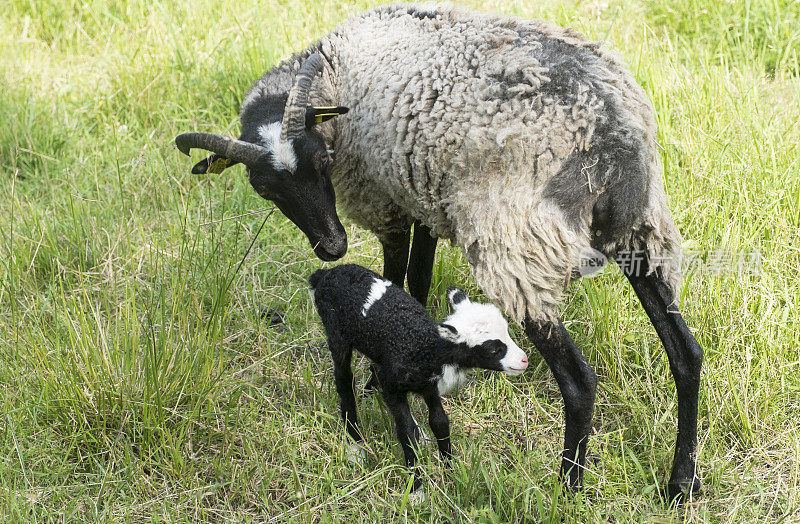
[314,279]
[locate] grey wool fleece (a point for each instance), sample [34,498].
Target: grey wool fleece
[524,143]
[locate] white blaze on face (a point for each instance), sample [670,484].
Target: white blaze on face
[283,156]
[476,323]
[376,291]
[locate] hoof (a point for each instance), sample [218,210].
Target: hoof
[356,454]
[680,490]
[415,498]
[272,317]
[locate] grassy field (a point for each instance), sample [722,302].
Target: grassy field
[139,380]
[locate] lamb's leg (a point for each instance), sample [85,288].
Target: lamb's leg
[440,424]
[407,430]
[577,382]
[420,263]
[685,360]
[343,376]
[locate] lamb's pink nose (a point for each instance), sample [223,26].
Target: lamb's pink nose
[524,362]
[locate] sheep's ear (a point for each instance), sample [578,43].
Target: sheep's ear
[214,164]
[448,332]
[317,115]
[457,297]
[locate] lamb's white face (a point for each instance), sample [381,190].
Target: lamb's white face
[482,327]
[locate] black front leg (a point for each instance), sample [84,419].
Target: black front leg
[440,424]
[577,382]
[685,360]
[407,430]
[395,256]
[420,264]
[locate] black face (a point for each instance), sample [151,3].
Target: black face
[305,196]
[489,355]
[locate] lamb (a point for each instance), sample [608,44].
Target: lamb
[528,146]
[411,353]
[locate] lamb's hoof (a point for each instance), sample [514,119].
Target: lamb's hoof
[415,498]
[273,317]
[571,489]
[680,490]
[356,454]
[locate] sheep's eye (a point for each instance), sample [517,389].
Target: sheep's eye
[321,160]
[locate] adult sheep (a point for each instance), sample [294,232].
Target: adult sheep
[524,143]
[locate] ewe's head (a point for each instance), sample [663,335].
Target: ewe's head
[286,159]
[484,331]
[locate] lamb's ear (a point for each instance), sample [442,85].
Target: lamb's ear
[317,115]
[448,332]
[213,164]
[457,297]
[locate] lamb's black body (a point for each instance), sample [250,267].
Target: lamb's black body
[413,364]
[408,352]
[417,351]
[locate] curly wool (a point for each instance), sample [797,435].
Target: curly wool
[524,143]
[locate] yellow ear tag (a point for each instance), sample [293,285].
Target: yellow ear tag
[218,165]
[321,117]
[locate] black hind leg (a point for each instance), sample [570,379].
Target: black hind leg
[685,360]
[343,376]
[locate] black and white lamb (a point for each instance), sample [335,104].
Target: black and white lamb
[411,353]
[529,146]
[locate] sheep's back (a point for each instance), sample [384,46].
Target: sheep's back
[503,135]
[444,101]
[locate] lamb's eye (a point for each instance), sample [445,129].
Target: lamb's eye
[494,347]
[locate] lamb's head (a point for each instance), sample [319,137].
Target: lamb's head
[287,161]
[484,331]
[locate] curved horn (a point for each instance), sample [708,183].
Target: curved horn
[236,150]
[294,116]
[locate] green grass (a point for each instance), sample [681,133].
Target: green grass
[139,380]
